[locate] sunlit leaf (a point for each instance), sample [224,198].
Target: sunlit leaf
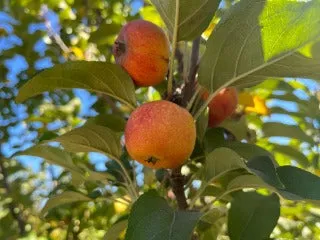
[105,34]
[54,156]
[115,230]
[92,138]
[221,161]
[259,39]
[114,122]
[99,77]
[263,167]
[247,181]
[64,198]
[293,153]
[271,129]
[194,15]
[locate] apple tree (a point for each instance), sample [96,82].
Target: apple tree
[205,115]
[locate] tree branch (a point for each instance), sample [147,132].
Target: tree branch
[177,182]
[190,83]
[179,57]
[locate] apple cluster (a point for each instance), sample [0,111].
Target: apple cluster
[160,134]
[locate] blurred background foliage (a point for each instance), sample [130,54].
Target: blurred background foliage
[280,116]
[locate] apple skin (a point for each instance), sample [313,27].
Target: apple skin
[160,134]
[142,49]
[222,105]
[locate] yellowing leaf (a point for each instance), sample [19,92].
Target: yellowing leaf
[246,99]
[149,13]
[78,53]
[210,29]
[253,103]
[260,106]
[120,206]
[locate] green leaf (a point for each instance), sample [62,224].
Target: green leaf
[105,33]
[237,127]
[202,124]
[115,230]
[299,184]
[214,231]
[280,110]
[247,150]
[221,161]
[47,135]
[214,138]
[54,156]
[272,129]
[247,181]
[63,159]
[98,176]
[253,216]
[259,39]
[114,122]
[100,77]
[211,220]
[92,138]
[213,215]
[194,16]
[293,153]
[152,218]
[149,13]
[263,167]
[64,198]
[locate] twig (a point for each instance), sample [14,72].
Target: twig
[131,186]
[179,57]
[177,181]
[54,36]
[190,84]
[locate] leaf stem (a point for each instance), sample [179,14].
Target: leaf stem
[192,100]
[203,107]
[131,186]
[174,46]
[199,193]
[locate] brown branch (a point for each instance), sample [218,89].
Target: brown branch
[177,182]
[55,37]
[179,57]
[12,205]
[190,83]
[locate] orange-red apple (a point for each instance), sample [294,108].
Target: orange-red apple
[142,49]
[222,105]
[160,134]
